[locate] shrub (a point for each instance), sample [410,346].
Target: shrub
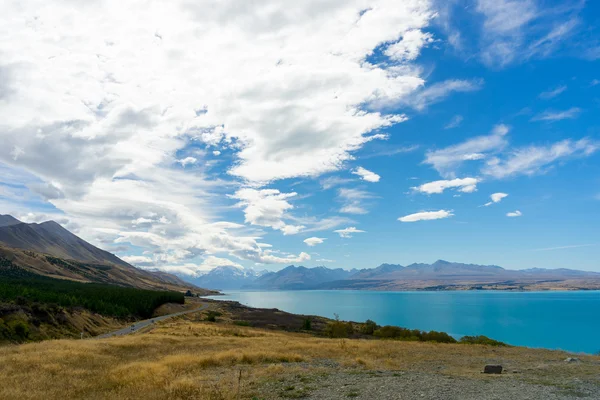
[306,324]
[369,327]
[242,323]
[338,329]
[212,316]
[480,340]
[395,332]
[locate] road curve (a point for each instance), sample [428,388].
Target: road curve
[147,322]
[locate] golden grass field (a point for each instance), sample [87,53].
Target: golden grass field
[187,358]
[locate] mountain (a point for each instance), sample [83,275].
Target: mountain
[226,278]
[7,220]
[51,250]
[445,275]
[296,278]
[51,238]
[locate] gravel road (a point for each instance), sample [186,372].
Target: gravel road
[147,322]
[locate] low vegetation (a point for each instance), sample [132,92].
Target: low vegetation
[190,358]
[28,301]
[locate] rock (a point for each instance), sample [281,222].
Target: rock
[572,360]
[492,369]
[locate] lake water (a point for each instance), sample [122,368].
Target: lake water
[553,320]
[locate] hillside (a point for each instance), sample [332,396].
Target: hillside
[190,358]
[49,249]
[51,238]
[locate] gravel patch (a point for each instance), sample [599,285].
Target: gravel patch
[374,385]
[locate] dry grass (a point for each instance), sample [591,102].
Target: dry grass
[190,360]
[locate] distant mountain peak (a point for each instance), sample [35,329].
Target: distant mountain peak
[7,220]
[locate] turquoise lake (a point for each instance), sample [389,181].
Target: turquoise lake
[554,320]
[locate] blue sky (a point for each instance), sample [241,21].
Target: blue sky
[345,135]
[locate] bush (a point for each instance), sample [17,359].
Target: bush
[242,323]
[395,332]
[212,316]
[307,324]
[369,327]
[480,340]
[339,329]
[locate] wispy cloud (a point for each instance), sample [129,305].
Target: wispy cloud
[574,246]
[348,232]
[439,91]
[426,216]
[513,214]
[517,30]
[353,200]
[391,151]
[448,159]
[532,160]
[454,122]
[333,181]
[550,94]
[552,116]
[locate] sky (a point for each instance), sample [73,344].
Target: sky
[184,136]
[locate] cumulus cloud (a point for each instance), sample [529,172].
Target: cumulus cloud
[465,185]
[348,232]
[366,175]
[516,213]
[496,198]
[285,89]
[187,161]
[447,160]
[267,207]
[313,241]
[426,216]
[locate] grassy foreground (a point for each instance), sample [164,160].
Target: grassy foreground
[194,359]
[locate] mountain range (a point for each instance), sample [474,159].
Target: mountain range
[49,249]
[441,275]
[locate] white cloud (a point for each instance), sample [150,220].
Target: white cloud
[517,30]
[353,200]
[496,198]
[454,122]
[284,88]
[348,232]
[333,181]
[447,160]
[537,159]
[187,161]
[426,216]
[552,116]
[552,93]
[516,213]
[325,260]
[216,153]
[313,241]
[465,185]
[138,260]
[439,91]
[267,207]
[409,47]
[366,175]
